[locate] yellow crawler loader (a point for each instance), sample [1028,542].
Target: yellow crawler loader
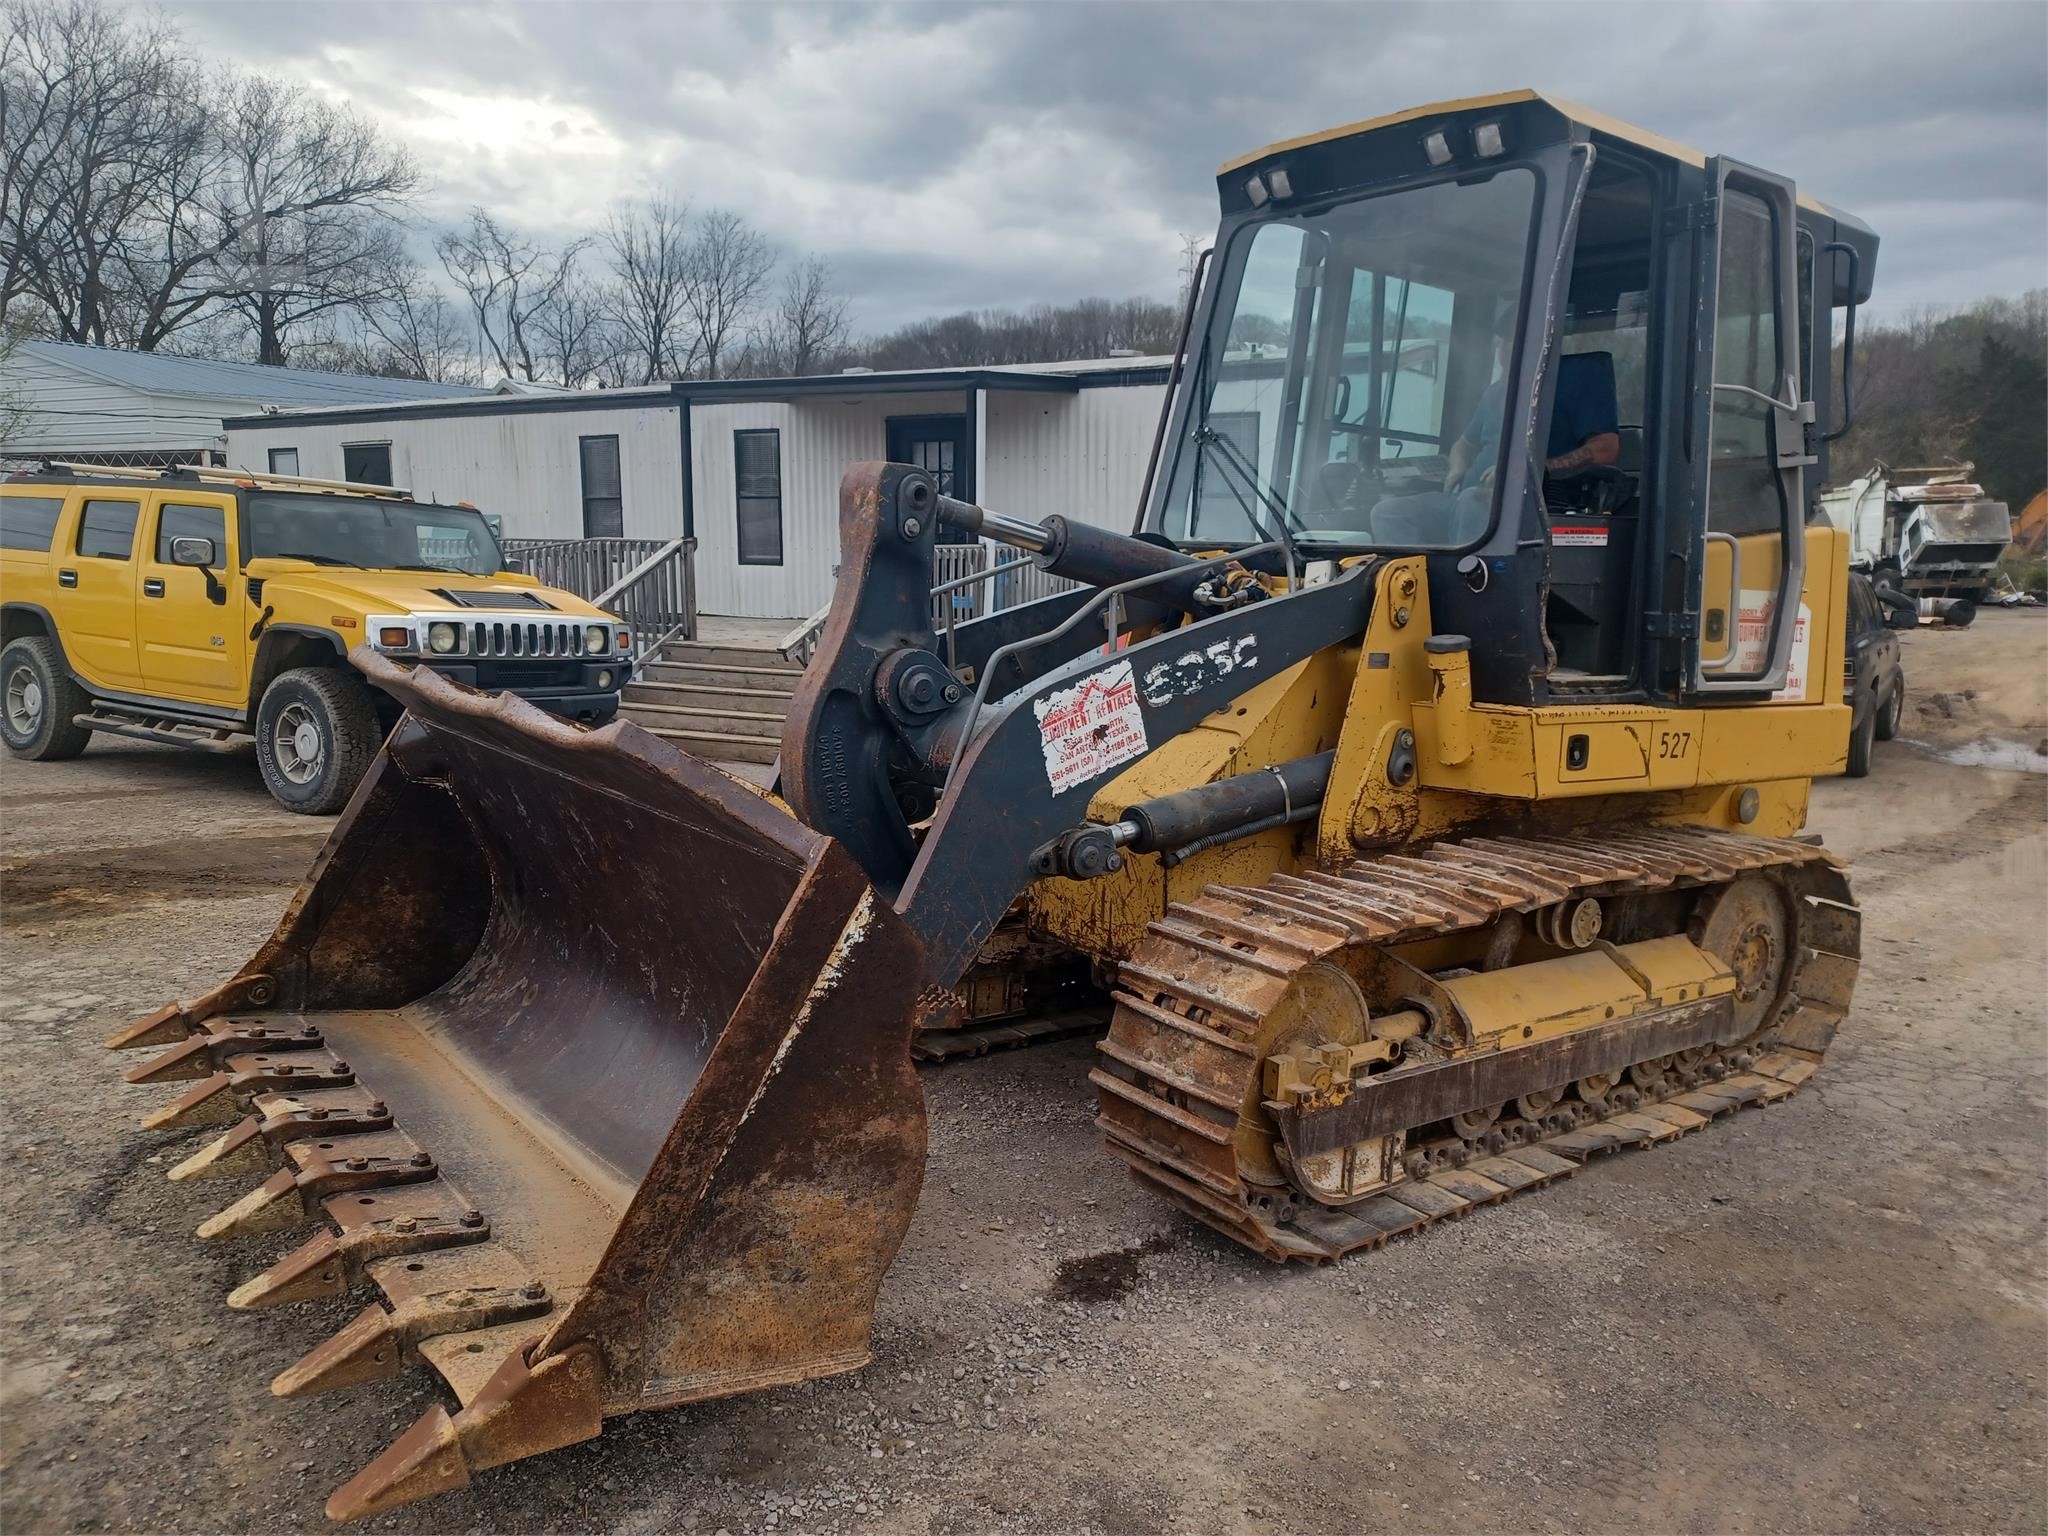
[1421,780]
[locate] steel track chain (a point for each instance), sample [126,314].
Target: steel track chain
[1179,1059]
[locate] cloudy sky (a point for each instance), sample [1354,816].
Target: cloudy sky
[947,156]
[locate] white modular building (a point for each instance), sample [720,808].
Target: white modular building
[749,468]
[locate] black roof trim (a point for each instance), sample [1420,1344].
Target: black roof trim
[722,391]
[486,405]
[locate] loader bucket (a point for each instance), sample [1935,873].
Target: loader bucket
[590,1060]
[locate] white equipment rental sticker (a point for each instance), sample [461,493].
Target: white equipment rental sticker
[1091,727]
[1794,690]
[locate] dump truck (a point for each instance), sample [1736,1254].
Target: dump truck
[1929,533]
[1425,796]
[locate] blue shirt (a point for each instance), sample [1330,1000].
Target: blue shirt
[1583,407]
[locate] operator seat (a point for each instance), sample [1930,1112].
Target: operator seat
[1605,489]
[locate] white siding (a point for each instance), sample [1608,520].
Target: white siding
[522,465]
[71,411]
[820,437]
[1080,455]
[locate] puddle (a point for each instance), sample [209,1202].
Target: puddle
[2010,756]
[1105,1276]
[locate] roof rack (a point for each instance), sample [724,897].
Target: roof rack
[207,474]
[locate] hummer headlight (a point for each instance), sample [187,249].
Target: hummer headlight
[442,639]
[595,639]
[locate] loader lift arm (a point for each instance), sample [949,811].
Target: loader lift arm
[882,734]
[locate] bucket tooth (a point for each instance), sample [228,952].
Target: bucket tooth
[292,1195]
[329,1264]
[309,1272]
[202,1055]
[172,1022]
[213,1102]
[522,1411]
[219,1099]
[166,1026]
[271,1206]
[381,1341]
[189,1058]
[238,1150]
[252,1145]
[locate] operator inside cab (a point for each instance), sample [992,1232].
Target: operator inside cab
[1585,430]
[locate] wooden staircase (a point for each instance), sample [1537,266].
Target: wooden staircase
[723,703]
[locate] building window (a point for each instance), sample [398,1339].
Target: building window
[757,478]
[365,463]
[604,506]
[284,461]
[107,530]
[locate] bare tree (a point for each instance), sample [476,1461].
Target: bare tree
[808,326]
[574,331]
[649,252]
[99,128]
[728,268]
[420,332]
[509,281]
[308,209]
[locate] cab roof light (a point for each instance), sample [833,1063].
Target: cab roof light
[1280,182]
[1255,189]
[1488,140]
[1437,147]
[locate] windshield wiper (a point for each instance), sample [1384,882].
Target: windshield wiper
[1230,456]
[445,570]
[292,554]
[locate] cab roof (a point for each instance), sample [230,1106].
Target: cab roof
[1586,117]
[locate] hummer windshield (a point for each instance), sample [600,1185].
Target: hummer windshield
[370,533]
[1351,383]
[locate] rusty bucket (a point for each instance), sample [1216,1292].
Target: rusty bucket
[592,1062]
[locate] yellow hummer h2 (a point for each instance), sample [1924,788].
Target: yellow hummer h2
[206,607]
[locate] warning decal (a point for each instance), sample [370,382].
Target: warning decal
[1564,538]
[1091,727]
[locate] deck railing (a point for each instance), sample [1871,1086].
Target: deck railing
[583,566]
[649,584]
[969,581]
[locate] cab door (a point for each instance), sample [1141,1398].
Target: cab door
[1749,431]
[96,596]
[191,647]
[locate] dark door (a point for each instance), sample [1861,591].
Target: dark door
[938,445]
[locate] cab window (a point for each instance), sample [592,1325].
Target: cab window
[107,529]
[177,521]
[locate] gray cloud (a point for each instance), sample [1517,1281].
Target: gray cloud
[946,157]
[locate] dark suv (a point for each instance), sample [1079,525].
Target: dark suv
[1873,678]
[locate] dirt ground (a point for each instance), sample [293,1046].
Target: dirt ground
[1826,1316]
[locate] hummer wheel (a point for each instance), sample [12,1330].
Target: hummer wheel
[39,702]
[316,731]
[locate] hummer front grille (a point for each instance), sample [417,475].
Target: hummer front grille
[537,638]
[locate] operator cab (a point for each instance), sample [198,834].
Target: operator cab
[1475,332]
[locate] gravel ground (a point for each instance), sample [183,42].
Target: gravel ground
[1827,1316]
